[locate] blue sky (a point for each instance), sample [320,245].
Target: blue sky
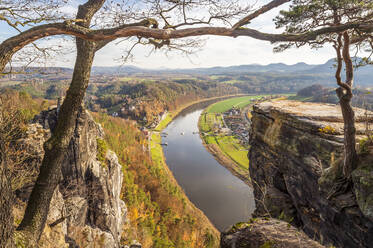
[217,51]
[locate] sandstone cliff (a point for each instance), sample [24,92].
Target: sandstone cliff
[266,233]
[295,150]
[86,209]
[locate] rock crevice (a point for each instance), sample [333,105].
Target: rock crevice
[86,207]
[294,147]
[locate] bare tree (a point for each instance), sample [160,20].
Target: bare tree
[33,223]
[37,209]
[69,27]
[157,23]
[23,14]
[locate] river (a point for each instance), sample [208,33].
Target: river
[223,198]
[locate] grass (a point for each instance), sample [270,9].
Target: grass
[171,115]
[102,148]
[229,145]
[160,214]
[163,124]
[156,149]
[142,80]
[233,81]
[232,148]
[238,102]
[208,120]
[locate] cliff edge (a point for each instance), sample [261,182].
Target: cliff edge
[295,151]
[86,209]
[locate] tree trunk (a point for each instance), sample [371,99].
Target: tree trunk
[36,213]
[6,203]
[350,159]
[344,93]
[55,148]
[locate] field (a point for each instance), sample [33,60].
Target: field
[229,145]
[238,102]
[208,120]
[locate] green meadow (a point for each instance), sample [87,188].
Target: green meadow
[229,145]
[238,102]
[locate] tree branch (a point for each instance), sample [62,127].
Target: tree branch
[10,46]
[347,59]
[273,4]
[338,47]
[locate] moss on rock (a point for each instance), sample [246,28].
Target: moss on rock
[363,185]
[102,149]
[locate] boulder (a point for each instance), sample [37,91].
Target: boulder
[266,233]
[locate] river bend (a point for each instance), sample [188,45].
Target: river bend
[223,198]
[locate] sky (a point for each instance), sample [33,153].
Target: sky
[217,51]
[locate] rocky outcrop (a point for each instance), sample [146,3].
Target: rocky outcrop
[263,233]
[294,156]
[363,185]
[86,207]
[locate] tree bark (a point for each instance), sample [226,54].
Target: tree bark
[350,159]
[55,148]
[345,96]
[344,93]
[271,5]
[6,202]
[10,46]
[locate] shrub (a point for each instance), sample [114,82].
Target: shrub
[364,145]
[327,130]
[102,148]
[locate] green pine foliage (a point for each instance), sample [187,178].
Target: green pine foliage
[310,15]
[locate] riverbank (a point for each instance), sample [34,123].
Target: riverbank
[224,198]
[159,161]
[172,114]
[156,150]
[227,162]
[227,149]
[155,140]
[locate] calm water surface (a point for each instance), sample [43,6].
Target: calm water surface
[223,198]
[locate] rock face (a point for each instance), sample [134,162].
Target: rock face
[86,206]
[261,233]
[295,149]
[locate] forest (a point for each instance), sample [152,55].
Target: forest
[159,212]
